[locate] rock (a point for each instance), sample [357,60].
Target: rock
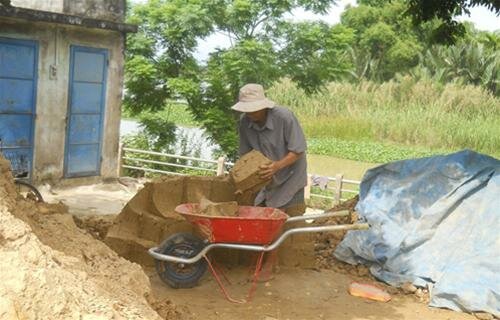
[408,288]
[419,293]
[320,246]
[483,316]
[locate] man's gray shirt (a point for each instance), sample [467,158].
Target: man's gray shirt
[280,134]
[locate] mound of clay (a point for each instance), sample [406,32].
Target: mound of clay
[327,242]
[96,225]
[218,209]
[51,269]
[150,217]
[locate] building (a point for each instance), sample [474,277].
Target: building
[61,80]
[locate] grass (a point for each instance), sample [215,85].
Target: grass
[395,120]
[366,151]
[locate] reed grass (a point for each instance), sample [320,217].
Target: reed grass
[394,120]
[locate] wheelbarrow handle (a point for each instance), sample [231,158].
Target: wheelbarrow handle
[357,226]
[327,214]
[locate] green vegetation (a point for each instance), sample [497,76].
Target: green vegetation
[376,87]
[394,120]
[365,151]
[177,113]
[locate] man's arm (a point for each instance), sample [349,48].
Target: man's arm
[268,171]
[295,143]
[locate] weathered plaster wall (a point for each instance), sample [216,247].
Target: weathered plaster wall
[113,10]
[45,5]
[52,92]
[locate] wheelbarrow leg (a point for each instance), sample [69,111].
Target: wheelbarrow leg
[221,285]
[220,269]
[258,268]
[268,265]
[253,285]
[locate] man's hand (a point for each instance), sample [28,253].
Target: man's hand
[268,171]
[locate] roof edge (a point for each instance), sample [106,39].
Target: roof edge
[62,18]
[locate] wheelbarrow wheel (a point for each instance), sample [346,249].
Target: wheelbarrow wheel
[180,275]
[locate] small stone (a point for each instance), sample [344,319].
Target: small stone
[408,288]
[484,316]
[320,246]
[419,293]
[43,210]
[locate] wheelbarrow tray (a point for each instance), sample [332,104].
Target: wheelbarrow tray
[252,225]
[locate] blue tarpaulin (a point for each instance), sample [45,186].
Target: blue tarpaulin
[435,222]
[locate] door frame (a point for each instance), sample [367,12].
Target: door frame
[35,44]
[73,50]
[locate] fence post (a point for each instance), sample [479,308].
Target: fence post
[220,166]
[307,189]
[120,160]
[338,188]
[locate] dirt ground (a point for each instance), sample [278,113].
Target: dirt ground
[294,293]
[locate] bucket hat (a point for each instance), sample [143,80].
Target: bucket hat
[252,98]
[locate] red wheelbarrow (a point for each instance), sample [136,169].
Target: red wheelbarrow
[181,260]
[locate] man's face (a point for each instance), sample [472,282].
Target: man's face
[258,116]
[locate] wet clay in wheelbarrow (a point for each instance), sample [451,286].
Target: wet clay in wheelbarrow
[218,209]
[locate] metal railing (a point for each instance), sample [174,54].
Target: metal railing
[341,190]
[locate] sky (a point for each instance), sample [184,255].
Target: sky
[482,18]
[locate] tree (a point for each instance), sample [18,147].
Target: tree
[315,53]
[467,63]
[386,41]
[446,10]
[160,64]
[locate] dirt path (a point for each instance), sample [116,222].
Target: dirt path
[99,199]
[295,294]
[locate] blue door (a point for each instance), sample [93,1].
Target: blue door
[18,78]
[87,88]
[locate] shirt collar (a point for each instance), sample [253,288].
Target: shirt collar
[268,125]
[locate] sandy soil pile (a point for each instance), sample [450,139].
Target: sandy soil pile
[96,225]
[51,269]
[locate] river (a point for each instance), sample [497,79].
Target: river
[196,138]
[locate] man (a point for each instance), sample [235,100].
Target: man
[275,132]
